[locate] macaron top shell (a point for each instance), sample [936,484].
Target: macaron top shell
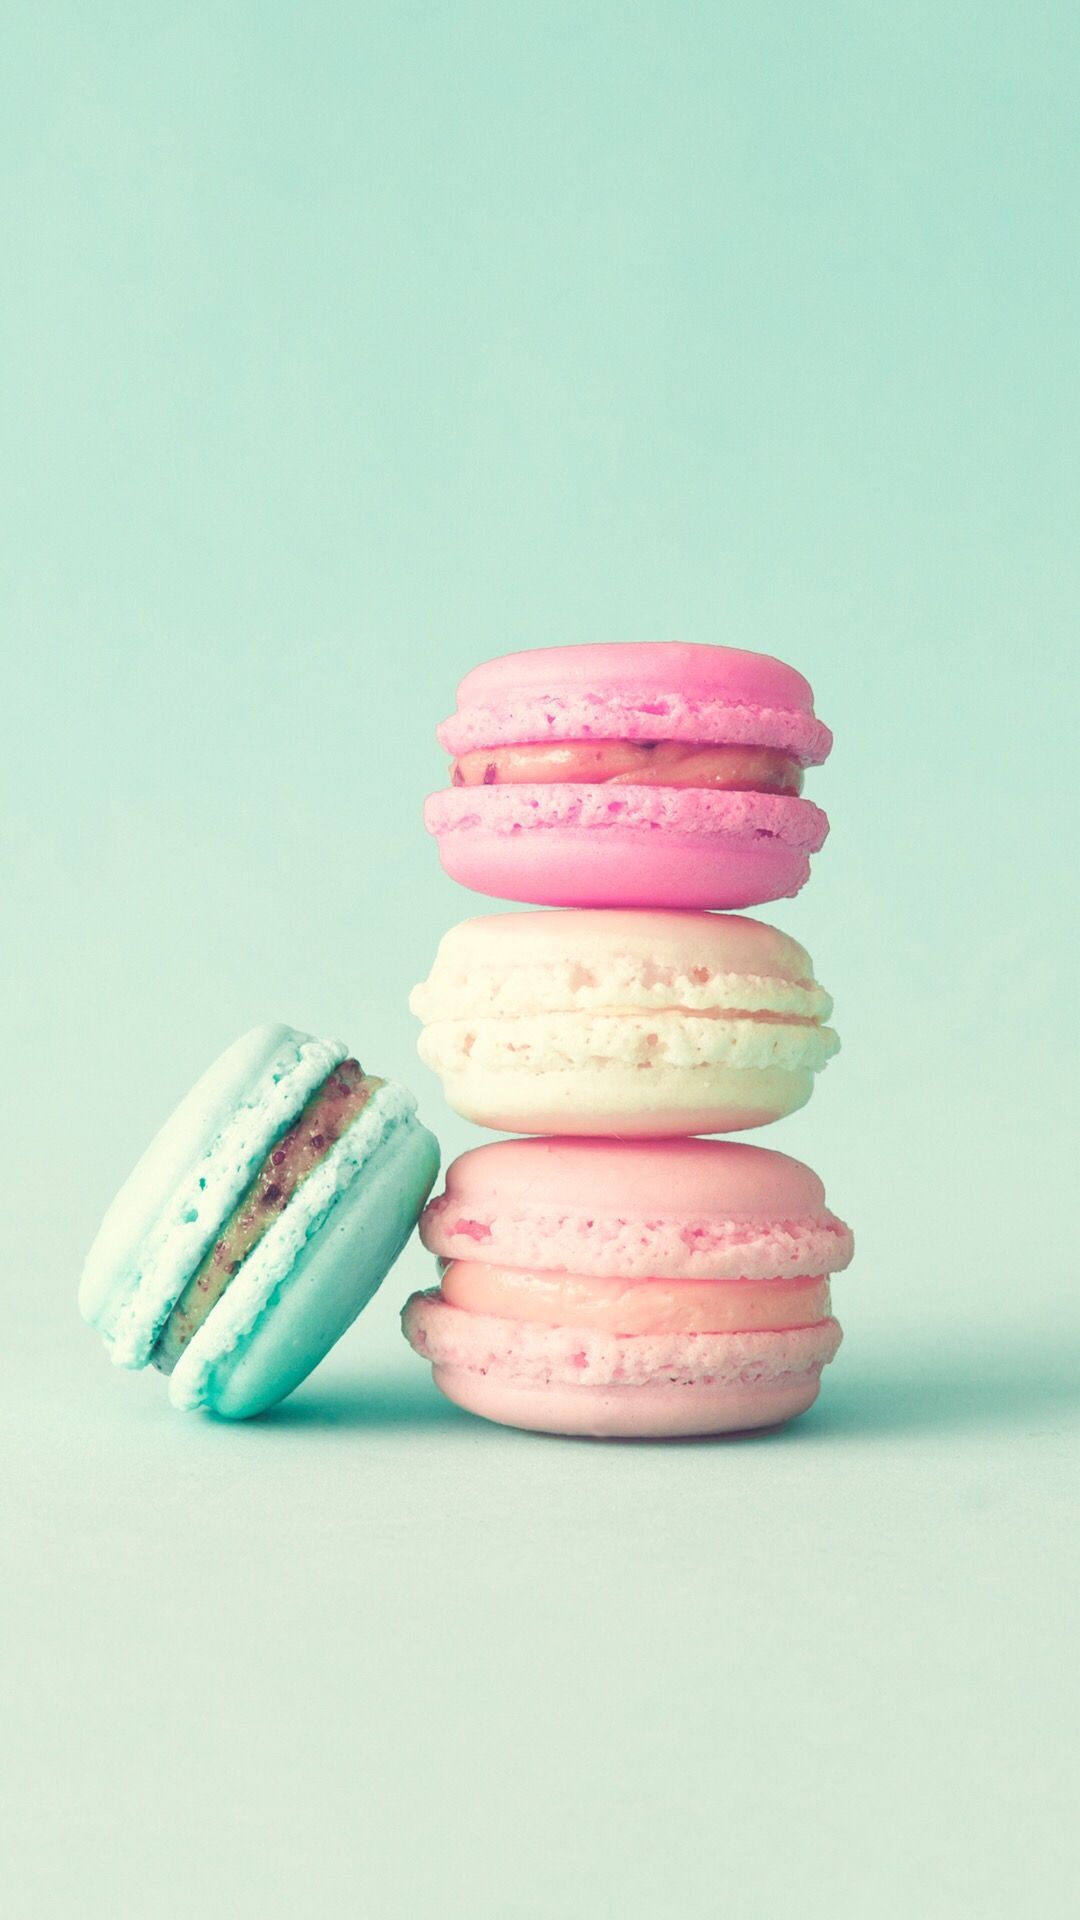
[657,1208]
[169,1209]
[582,959]
[650,690]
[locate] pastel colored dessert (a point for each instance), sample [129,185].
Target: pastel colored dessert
[593,1022]
[636,775]
[259,1222]
[632,1289]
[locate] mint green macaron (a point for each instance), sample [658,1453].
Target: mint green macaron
[259,1222]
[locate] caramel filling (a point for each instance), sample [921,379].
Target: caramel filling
[639,763]
[332,1108]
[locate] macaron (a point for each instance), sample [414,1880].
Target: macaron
[630,1023]
[259,1221]
[631,775]
[638,1289]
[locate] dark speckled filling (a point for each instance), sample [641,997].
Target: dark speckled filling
[331,1109]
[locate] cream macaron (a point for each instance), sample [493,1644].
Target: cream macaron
[586,1022]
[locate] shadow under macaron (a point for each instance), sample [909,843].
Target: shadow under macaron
[385,1401]
[1018,1385]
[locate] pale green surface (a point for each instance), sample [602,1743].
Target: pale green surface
[350,346]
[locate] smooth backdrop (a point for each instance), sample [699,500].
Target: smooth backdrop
[344,346]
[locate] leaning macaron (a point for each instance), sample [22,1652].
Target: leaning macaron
[631,1289]
[631,1023]
[259,1222]
[631,775]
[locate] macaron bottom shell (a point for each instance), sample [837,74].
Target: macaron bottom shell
[610,1099]
[578,1380]
[655,1412]
[623,867]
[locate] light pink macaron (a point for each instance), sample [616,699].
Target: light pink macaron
[636,1290]
[635,775]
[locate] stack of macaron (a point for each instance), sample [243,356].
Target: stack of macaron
[617,1274]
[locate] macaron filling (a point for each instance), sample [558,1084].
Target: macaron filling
[648,763]
[618,1305]
[330,1111]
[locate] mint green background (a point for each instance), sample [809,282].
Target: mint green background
[345,346]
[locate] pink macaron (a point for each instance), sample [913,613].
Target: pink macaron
[632,775]
[636,1290]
